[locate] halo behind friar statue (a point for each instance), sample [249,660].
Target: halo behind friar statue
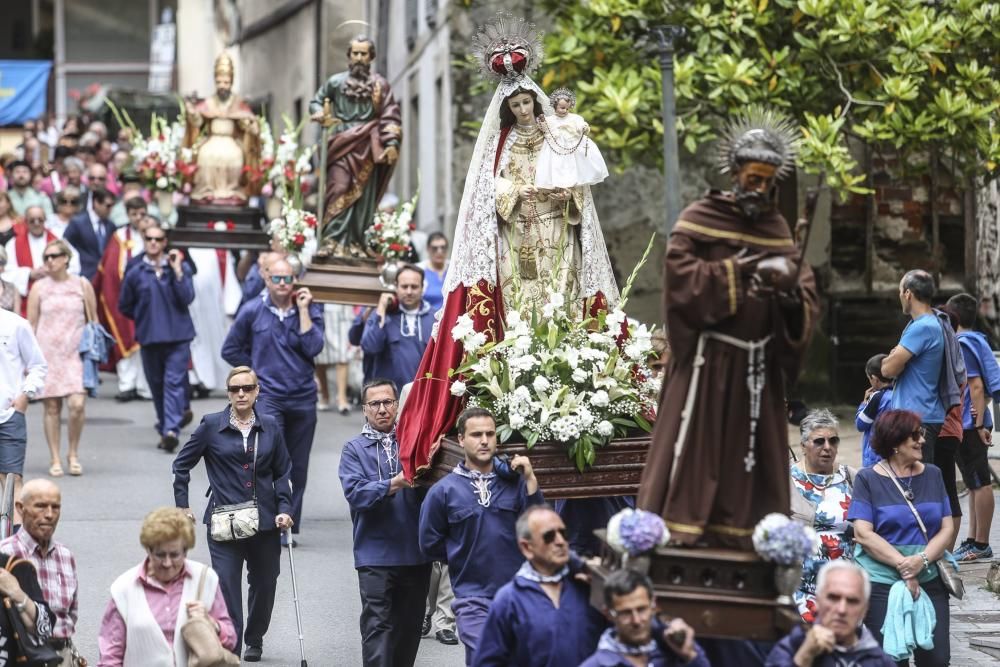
[761,134]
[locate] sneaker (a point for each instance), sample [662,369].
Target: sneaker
[962,548]
[975,553]
[425,629]
[446,637]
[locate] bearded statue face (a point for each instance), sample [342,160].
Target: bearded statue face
[360,59]
[754,182]
[223,85]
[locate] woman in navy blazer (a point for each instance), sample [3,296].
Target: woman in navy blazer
[226,440]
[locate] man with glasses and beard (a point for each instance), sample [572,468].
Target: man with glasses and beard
[363,121]
[278,335]
[393,574]
[156,292]
[469,517]
[740,307]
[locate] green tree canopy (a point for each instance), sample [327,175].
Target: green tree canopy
[910,75]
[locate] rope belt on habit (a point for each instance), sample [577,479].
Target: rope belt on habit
[756,374]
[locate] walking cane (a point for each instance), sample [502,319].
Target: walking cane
[295,599]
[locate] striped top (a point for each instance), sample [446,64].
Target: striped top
[877,500]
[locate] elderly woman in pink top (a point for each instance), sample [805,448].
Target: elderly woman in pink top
[151,602]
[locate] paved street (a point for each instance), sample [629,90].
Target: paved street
[125,476]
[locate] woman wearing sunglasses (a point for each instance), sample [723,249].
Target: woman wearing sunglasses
[821,493]
[58,307]
[246,460]
[892,544]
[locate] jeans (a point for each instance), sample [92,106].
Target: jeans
[940,655]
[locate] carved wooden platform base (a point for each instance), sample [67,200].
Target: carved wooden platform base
[721,593]
[616,470]
[208,227]
[342,280]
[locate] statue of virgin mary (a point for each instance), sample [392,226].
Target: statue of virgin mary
[513,242]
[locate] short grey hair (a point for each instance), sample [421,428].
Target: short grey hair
[819,418]
[73,162]
[522,528]
[848,566]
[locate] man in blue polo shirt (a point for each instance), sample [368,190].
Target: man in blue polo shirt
[916,362]
[393,575]
[156,292]
[543,617]
[278,335]
[468,520]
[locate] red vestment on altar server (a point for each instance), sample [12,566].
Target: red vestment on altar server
[107,286]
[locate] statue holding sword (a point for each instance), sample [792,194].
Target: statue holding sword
[360,146]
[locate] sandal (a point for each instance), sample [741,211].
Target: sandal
[75,468]
[55,470]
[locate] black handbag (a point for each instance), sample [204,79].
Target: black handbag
[30,651]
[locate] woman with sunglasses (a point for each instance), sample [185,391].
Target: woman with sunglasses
[67,205]
[246,459]
[891,545]
[58,307]
[821,493]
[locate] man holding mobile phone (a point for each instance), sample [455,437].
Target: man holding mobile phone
[156,292]
[278,335]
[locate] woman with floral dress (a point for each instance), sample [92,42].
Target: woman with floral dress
[821,492]
[58,307]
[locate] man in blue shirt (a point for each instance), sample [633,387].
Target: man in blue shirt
[393,574]
[916,361]
[984,382]
[468,520]
[156,292]
[637,633]
[543,617]
[396,335]
[278,335]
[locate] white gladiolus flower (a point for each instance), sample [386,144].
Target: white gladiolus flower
[557,300]
[458,388]
[615,319]
[474,341]
[605,428]
[541,383]
[513,319]
[548,310]
[463,327]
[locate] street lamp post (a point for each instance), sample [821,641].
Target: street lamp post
[666,35]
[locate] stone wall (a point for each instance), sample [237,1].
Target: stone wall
[902,230]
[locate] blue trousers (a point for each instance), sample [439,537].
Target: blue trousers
[297,420]
[470,617]
[262,555]
[166,368]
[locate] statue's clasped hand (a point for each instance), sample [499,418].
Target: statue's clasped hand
[773,274]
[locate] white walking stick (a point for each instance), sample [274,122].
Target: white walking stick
[295,599]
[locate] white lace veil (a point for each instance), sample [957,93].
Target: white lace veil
[475,248]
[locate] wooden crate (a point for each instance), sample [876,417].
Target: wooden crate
[616,470]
